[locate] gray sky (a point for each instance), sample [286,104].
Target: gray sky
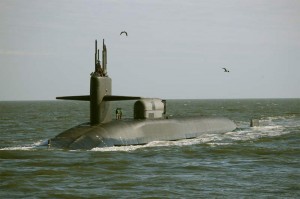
[174,50]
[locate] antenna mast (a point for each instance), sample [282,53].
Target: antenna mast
[104,59]
[96,55]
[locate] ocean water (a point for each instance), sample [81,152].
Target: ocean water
[250,162]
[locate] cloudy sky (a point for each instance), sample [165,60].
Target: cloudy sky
[174,49]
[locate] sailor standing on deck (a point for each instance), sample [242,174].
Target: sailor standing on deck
[118,113]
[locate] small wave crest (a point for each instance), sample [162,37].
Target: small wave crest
[18,148]
[33,146]
[206,138]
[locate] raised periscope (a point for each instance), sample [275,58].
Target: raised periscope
[150,122]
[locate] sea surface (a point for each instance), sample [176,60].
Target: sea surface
[249,162]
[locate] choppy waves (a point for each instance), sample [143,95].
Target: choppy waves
[248,162]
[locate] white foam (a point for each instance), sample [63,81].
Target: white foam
[257,132]
[186,142]
[118,148]
[41,143]
[21,148]
[33,146]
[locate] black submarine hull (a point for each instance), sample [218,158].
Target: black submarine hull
[138,132]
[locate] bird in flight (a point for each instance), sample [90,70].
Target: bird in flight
[225,70]
[124,33]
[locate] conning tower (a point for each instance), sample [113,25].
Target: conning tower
[100,86]
[100,91]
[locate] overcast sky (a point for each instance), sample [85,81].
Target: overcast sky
[174,49]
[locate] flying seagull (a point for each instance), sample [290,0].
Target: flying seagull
[124,33]
[225,70]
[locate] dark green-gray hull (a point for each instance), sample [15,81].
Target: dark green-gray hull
[137,132]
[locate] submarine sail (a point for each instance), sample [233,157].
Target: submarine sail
[150,122]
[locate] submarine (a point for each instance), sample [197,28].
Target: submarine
[149,123]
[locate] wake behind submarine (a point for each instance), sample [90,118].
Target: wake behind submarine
[150,122]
